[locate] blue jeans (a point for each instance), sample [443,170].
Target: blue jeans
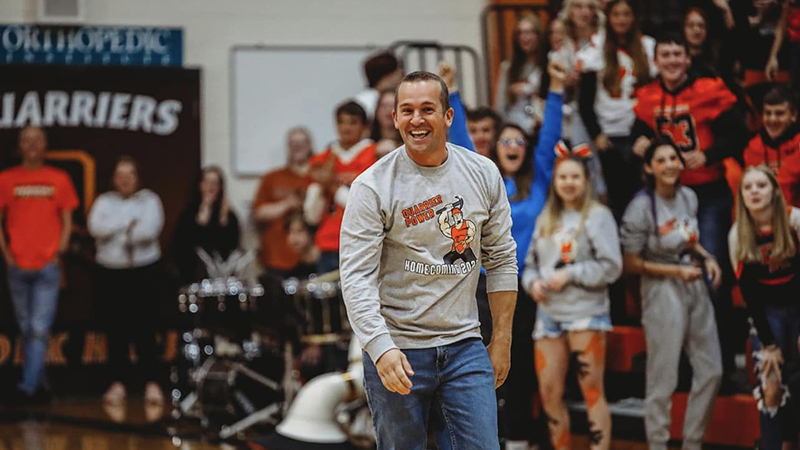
[34,294]
[328,262]
[453,389]
[785,326]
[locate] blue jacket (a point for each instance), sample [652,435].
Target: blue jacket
[524,212]
[458,129]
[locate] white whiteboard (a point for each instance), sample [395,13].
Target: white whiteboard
[276,88]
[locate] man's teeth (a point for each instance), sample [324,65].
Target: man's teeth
[419,133]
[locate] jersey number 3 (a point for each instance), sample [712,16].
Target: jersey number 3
[680,129]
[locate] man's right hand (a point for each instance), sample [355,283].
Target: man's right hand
[394,370]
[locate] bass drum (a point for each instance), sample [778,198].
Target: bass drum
[228,389]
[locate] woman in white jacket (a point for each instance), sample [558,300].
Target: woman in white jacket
[126,224]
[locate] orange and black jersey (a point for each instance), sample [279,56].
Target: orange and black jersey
[782,155]
[701,114]
[768,283]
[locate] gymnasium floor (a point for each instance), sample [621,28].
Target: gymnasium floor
[85,424]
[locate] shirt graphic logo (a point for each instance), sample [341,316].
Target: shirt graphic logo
[766,258]
[453,226]
[565,238]
[34,191]
[422,211]
[684,228]
[460,260]
[681,129]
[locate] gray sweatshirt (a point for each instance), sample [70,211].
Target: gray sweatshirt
[591,256]
[673,232]
[126,230]
[412,243]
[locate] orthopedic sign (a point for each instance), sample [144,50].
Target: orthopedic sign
[96,45]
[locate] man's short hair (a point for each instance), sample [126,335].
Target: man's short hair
[780,94]
[379,65]
[31,127]
[351,108]
[484,112]
[419,76]
[671,37]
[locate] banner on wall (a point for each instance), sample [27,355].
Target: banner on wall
[92,115]
[95,45]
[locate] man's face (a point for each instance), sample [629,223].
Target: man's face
[350,130]
[126,179]
[777,118]
[420,117]
[32,144]
[482,134]
[299,148]
[672,62]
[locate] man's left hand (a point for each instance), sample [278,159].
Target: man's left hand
[500,355]
[694,159]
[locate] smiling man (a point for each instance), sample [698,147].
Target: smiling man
[778,143]
[417,227]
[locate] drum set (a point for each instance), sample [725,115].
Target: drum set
[236,369]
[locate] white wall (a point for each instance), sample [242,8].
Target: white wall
[212,27]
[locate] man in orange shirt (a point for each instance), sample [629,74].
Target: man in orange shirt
[281,192]
[36,202]
[333,171]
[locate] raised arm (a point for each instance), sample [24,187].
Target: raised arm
[544,156]
[771,70]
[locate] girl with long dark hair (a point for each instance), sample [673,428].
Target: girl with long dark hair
[517,98]
[207,223]
[660,243]
[611,72]
[526,166]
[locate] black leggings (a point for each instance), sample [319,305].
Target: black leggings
[127,305]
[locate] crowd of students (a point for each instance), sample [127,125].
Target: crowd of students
[622,155]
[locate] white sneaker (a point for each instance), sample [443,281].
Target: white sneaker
[152,393]
[516,445]
[115,395]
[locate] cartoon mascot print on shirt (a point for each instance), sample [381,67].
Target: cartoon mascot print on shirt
[453,226]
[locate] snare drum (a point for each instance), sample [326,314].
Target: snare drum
[220,303]
[320,302]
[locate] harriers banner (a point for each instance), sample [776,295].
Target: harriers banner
[92,115]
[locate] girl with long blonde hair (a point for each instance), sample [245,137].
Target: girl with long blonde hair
[764,253]
[573,257]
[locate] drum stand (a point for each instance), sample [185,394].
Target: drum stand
[193,404]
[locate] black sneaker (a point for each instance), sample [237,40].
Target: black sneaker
[15,398]
[41,397]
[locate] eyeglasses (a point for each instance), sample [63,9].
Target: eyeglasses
[519,142]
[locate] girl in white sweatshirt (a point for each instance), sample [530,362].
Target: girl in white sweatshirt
[126,224]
